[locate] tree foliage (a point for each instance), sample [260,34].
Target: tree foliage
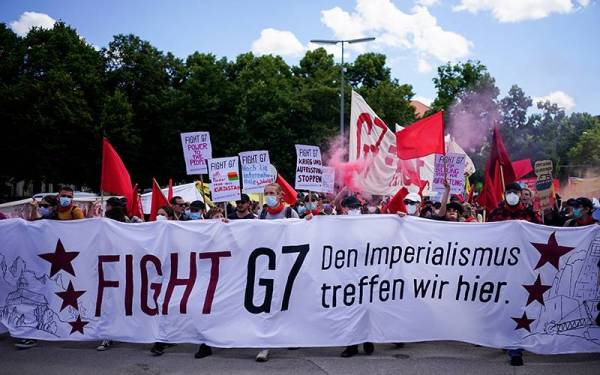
[59,96]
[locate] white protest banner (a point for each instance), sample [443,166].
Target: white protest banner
[256,171]
[543,183]
[451,167]
[196,151]
[328,185]
[302,283]
[225,179]
[309,172]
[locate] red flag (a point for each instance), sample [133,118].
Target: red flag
[170,192]
[396,203]
[424,137]
[290,196]
[115,178]
[522,168]
[134,205]
[158,200]
[497,167]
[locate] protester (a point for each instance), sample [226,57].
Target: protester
[469,215]
[351,206]
[275,209]
[116,209]
[512,209]
[527,198]
[44,209]
[197,210]
[582,213]
[412,202]
[242,209]
[165,213]
[327,208]
[178,205]
[452,211]
[66,209]
[216,213]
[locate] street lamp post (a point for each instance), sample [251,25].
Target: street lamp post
[351,41]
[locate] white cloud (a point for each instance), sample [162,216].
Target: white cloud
[31,19]
[423,66]
[277,42]
[427,3]
[557,97]
[417,31]
[520,10]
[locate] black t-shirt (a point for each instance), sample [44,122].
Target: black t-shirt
[234,216]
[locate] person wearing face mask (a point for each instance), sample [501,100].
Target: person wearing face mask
[44,209]
[512,209]
[165,213]
[327,208]
[582,213]
[66,209]
[311,203]
[274,209]
[412,202]
[197,210]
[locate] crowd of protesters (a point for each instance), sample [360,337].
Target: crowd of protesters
[518,204]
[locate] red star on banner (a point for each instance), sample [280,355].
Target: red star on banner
[523,322]
[77,326]
[70,297]
[60,259]
[550,252]
[536,291]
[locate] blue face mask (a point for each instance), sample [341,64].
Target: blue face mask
[311,206]
[577,213]
[195,216]
[301,210]
[65,201]
[271,200]
[44,211]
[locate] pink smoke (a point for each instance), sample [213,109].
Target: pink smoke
[471,118]
[347,174]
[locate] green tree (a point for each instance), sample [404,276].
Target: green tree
[54,101]
[585,154]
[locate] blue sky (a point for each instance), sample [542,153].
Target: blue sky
[549,48]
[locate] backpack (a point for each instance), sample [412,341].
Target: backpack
[288,213]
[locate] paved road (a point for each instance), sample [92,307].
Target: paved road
[66,358]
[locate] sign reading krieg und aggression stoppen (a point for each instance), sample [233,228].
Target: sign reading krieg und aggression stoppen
[196,151]
[309,172]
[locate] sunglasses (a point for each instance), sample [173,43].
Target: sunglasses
[65,196]
[44,205]
[408,201]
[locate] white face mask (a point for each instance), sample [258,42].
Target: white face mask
[354,212]
[372,209]
[512,199]
[161,217]
[411,209]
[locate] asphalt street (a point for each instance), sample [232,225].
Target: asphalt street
[441,357]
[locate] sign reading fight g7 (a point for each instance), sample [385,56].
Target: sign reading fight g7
[196,150]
